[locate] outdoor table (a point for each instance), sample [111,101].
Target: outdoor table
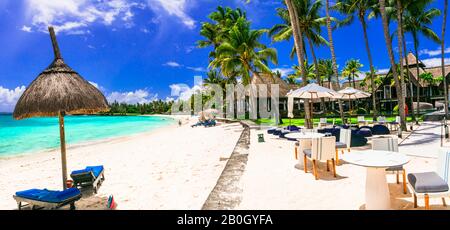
[305,135]
[376,162]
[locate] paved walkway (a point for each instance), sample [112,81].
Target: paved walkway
[425,141]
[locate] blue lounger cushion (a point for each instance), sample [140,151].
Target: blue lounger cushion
[49,196]
[96,170]
[427,182]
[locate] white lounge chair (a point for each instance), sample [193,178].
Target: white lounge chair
[381,120]
[323,122]
[432,184]
[390,144]
[322,149]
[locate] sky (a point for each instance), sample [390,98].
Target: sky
[143,50]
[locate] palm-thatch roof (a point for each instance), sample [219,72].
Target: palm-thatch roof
[412,61]
[59,88]
[268,80]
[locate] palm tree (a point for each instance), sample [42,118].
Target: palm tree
[298,41]
[244,53]
[442,58]
[416,21]
[333,54]
[360,8]
[326,70]
[291,79]
[353,67]
[310,24]
[400,99]
[388,41]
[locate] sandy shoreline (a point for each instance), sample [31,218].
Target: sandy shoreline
[168,168]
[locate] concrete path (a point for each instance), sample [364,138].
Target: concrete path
[425,141]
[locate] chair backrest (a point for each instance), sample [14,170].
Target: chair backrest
[361,118]
[385,144]
[381,119]
[345,136]
[443,164]
[323,120]
[323,148]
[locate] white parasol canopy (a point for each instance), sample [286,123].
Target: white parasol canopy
[311,91]
[350,93]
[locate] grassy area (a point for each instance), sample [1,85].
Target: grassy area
[338,121]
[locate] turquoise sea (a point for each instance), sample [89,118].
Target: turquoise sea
[37,134]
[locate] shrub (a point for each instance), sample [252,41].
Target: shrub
[361,111]
[395,110]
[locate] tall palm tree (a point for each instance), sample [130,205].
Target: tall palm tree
[353,67]
[388,41]
[442,58]
[333,54]
[360,8]
[310,23]
[244,53]
[298,41]
[416,21]
[401,105]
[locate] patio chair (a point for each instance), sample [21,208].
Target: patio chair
[91,176]
[322,149]
[381,120]
[432,184]
[345,141]
[390,144]
[362,120]
[47,199]
[395,123]
[323,122]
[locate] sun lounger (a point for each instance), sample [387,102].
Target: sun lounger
[47,199]
[198,124]
[210,123]
[91,176]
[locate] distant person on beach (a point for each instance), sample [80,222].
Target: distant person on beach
[179,123]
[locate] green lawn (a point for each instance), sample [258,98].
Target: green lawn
[338,121]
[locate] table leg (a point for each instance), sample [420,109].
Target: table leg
[377,190]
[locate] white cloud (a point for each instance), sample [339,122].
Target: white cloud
[9,98]
[26,29]
[284,71]
[69,15]
[434,52]
[172,64]
[184,92]
[196,69]
[431,62]
[383,71]
[145,30]
[133,97]
[175,8]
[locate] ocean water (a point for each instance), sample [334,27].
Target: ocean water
[38,134]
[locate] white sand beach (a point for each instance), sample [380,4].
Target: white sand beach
[170,168]
[285,186]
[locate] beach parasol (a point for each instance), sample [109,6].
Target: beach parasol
[350,93]
[311,91]
[57,91]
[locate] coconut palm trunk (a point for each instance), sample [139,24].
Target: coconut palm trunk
[416,51]
[388,41]
[369,56]
[442,58]
[316,69]
[299,48]
[333,55]
[401,99]
[413,114]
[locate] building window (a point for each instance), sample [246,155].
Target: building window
[387,92]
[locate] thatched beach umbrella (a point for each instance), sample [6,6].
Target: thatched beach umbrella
[57,91]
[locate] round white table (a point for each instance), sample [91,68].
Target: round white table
[305,135]
[376,162]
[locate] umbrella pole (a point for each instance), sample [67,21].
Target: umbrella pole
[62,137]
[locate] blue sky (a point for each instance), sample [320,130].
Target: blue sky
[141,50]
